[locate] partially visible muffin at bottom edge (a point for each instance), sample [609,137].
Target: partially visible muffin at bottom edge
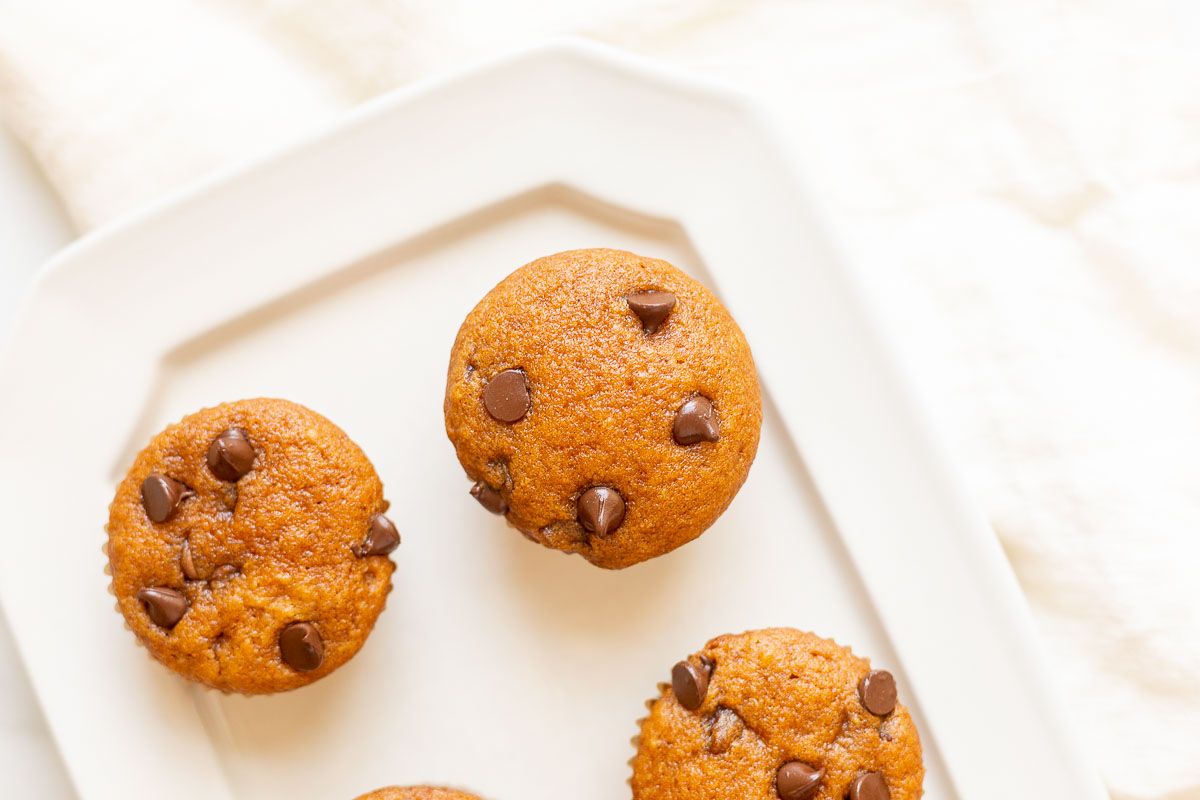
[777,714]
[416,793]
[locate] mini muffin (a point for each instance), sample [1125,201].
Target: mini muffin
[416,793]
[606,404]
[248,547]
[777,714]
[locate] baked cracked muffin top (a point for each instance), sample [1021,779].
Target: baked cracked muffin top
[605,403]
[248,546]
[416,793]
[777,714]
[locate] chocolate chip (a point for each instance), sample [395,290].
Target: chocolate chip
[506,397]
[164,606]
[869,786]
[230,456]
[652,308]
[600,510]
[161,496]
[797,781]
[695,421]
[877,692]
[382,538]
[186,563]
[690,684]
[301,647]
[489,498]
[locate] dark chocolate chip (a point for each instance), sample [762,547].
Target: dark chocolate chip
[489,498]
[161,496]
[877,692]
[382,538]
[301,647]
[652,308]
[186,563]
[695,421]
[164,606]
[600,510]
[869,786]
[230,456]
[506,397]
[690,684]
[797,781]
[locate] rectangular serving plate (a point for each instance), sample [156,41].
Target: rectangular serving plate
[336,274]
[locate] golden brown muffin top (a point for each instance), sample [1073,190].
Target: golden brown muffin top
[606,403]
[253,580]
[777,713]
[416,793]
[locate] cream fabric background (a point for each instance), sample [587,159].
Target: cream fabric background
[1017,184]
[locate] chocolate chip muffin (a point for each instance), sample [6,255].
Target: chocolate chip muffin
[777,714]
[606,404]
[248,547]
[416,793]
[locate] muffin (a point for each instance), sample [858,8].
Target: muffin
[416,793]
[605,403]
[777,714]
[248,547]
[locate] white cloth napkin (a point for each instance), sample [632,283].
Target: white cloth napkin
[1017,183]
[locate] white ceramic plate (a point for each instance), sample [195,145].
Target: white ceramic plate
[336,275]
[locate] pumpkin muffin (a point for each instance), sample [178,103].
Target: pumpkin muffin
[416,793]
[777,714]
[248,547]
[605,403]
